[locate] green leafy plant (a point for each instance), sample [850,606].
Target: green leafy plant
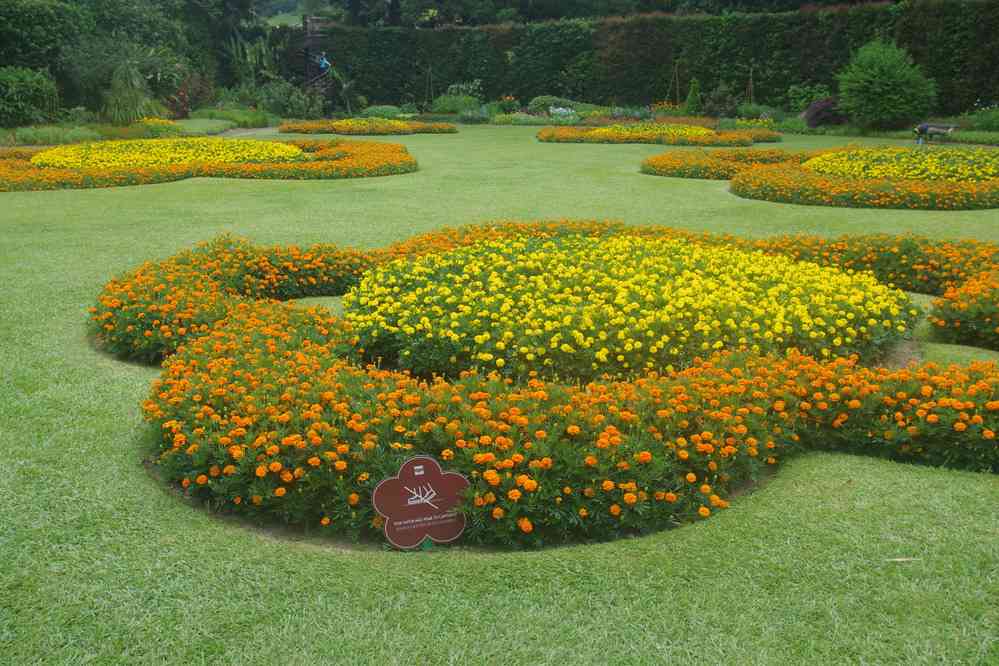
[799,96]
[882,88]
[27,96]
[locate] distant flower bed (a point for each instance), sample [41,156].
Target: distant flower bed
[371,126]
[116,163]
[959,165]
[662,133]
[913,178]
[145,153]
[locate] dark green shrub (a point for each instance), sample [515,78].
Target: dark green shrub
[287,100]
[799,96]
[27,97]
[882,88]
[692,106]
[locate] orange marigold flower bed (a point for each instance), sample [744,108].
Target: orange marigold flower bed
[368,126]
[262,407]
[717,164]
[797,185]
[324,160]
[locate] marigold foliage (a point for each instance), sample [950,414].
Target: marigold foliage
[371,126]
[969,313]
[559,307]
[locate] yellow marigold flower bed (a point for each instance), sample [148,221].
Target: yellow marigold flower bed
[670,134]
[128,164]
[262,407]
[145,153]
[563,307]
[951,164]
[373,126]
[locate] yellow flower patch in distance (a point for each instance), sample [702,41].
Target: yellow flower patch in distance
[581,307]
[951,164]
[370,126]
[664,133]
[146,153]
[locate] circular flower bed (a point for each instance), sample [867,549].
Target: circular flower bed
[264,409]
[912,178]
[676,135]
[145,153]
[558,307]
[115,163]
[952,164]
[372,126]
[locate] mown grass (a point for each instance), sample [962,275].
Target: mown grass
[836,559]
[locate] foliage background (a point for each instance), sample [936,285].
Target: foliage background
[630,60]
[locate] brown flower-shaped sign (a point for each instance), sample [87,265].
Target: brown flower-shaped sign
[420,502]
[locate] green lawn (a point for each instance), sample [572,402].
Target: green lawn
[838,559]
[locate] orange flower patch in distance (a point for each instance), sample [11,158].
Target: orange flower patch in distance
[23,170]
[369,126]
[263,407]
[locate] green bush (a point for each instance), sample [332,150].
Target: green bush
[286,100]
[799,96]
[882,88]
[986,120]
[27,97]
[692,106]
[382,111]
[454,104]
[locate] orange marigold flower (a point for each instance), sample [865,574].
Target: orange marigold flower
[630,498]
[615,510]
[525,525]
[704,512]
[498,513]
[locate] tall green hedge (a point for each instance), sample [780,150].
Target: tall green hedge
[629,60]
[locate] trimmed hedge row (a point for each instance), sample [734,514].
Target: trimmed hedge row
[629,61]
